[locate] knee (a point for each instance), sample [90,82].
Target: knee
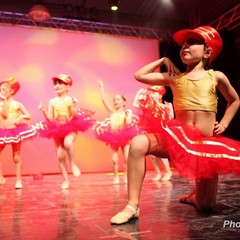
[114,158]
[139,145]
[16,158]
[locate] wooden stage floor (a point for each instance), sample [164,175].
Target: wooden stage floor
[42,210]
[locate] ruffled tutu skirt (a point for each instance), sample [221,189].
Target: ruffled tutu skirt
[17,134]
[52,129]
[115,138]
[194,156]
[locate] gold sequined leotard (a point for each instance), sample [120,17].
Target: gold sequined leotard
[195,94]
[62,109]
[118,120]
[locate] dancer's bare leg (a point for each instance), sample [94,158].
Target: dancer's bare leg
[61,155]
[140,146]
[16,147]
[204,195]
[168,173]
[125,150]
[2,179]
[68,145]
[157,169]
[115,166]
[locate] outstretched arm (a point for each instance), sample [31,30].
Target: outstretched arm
[148,75]
[103,96]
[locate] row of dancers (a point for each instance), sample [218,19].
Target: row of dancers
[192,139]
[64,119]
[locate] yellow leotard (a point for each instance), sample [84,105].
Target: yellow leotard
[13,110]
[118,120]
[62,108]
[195,94]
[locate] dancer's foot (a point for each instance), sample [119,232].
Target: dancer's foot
[127,214]
[75,170]
[65,185]
[157,178]
[167,176]
[18,184]
[116,180]
[188,198]
[2,181]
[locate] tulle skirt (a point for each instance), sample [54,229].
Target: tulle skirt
[17,134]
[115,138]
[52,129]
[193,155]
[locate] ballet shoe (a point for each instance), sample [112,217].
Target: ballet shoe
[76,171]
[116,180]
[157,178]
[18,185]
[188,198]
[2,181]
[167,176]
[125,216]
[65,185]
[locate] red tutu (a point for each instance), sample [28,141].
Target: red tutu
[117,138]
[198,157]
[193,155]
[151,115]
[52,129]
[17,134]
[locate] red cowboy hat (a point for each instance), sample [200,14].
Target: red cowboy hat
[64,78]
[208,34]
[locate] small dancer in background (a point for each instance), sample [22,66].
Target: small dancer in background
[117,130]
[63,120]
[143,101]
[13,127]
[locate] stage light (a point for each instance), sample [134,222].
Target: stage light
[39,12]
[114,4]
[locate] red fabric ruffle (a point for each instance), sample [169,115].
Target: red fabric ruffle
[193,155]
[117,138]
[17,134]
[51,129]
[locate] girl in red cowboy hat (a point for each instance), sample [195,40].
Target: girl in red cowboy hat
[193,139]
[117,130]
[144,100]
[13,127]
[63,120]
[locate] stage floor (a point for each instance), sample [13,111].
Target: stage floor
[42,210]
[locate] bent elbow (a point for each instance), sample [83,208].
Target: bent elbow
[138,76]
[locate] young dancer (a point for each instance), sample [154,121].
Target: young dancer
[143,100]
[117,130]
[13,127]
[193,140]
[63,120]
